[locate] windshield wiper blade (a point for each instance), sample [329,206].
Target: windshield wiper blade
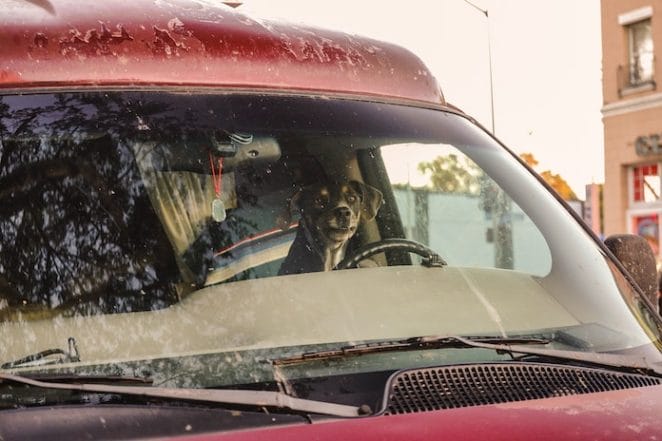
[509,345]
[92,379]
[258,399]
[408,344]
[46,357]
[596,359]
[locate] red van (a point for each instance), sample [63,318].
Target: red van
[219,227]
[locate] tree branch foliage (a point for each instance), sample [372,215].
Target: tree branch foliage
[451,174]
[554,180]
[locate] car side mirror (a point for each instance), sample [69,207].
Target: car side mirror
[637,256]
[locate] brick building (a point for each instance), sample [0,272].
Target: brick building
[632,116]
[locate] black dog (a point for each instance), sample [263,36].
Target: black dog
[330,215]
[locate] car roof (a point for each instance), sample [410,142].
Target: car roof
[119,43]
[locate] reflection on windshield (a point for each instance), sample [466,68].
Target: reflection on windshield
[77,231]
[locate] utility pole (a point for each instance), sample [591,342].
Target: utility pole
[489,58]
[499,204]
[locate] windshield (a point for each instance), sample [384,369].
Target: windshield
[193,238]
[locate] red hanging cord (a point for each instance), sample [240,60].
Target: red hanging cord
[216,177]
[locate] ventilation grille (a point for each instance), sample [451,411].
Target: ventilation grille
[450,387]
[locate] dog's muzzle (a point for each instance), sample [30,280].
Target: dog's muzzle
[340,224]
[343,217]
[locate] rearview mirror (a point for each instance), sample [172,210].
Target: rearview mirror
[636,255]
[191,153]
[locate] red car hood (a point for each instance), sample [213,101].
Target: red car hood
[633,414]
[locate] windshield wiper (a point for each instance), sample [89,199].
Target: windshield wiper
[507,345]
[409,344]
[46,357]
[258,399]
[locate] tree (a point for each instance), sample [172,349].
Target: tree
[450,175]
[530,160]
[554,180]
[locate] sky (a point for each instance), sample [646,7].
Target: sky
[545,63]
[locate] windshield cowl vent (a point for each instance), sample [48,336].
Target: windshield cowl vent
[420,390]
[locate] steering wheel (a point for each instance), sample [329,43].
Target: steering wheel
[430,258]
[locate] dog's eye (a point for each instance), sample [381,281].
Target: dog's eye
[319,202]
[351,198]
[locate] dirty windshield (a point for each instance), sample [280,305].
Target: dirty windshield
[195,237]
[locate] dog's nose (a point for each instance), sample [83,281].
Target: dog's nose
[343,212]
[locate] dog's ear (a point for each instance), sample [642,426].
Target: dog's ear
[371,199]
[285,219]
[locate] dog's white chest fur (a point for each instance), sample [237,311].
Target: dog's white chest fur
[333,257]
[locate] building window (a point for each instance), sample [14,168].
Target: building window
[648,227]
[646,183]
[640,46]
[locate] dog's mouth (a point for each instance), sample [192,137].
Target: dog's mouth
[339,233]
[341,229]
